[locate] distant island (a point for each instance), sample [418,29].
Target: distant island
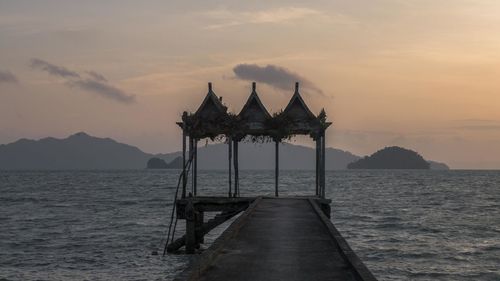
[438,165]
[158,163]
[395,157]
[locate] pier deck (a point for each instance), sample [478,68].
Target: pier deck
[279,239]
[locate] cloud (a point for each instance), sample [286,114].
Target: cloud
[94,82]
[97,76]
[227,18]
[103,89]
[273,75]
[7,77]
[53,69]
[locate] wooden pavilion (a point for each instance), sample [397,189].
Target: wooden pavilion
[211,120]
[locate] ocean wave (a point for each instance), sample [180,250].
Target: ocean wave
[104,225]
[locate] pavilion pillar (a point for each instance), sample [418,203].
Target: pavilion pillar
[320,170]
[318,140]
[277,168]
[230,145]
[323,187]
[191,155]
[184,178]
[195,167]
[236,171]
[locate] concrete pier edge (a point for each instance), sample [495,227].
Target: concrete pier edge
[349,255]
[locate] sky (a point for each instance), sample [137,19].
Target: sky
[420,74]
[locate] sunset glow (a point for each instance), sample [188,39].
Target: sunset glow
[418,74]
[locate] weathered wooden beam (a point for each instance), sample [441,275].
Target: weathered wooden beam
[184,133]
[199,224]
[236,171]
[277,168]
[222,200]
[190,228]
[317,165]
[195,168]
[320,170]
[212,204]
[229,158]
[323,156]
[177,244]
[191,155]
[200,228]
[220,219]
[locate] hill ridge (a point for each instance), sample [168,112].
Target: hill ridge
[83,151]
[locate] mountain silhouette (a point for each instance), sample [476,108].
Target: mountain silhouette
[78,151]
[393,157]
[82,151]
[158,163]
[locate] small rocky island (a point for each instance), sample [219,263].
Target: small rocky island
[393,157]
[158,163]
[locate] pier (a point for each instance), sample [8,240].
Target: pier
[279,239]
[273,238]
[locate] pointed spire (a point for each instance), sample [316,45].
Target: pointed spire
[298,106]
[254,101]
[322,115]
[211,103]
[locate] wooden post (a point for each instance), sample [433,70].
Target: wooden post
[277,168]
[323,156]
[191,156]
[199,225]
[190,227]
[236,171]
[184,179]
[195,167]
[317,164]
[229,157]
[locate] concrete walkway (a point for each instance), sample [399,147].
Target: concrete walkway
[283,239]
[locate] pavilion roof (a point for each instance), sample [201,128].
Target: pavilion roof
[211,119]
[211,107]
[297,109]
[254,115]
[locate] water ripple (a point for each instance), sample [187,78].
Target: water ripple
[103,225]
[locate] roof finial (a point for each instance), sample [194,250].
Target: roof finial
[253,86]
[209,86]
[297,87]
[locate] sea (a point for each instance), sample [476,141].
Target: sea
[105,225]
